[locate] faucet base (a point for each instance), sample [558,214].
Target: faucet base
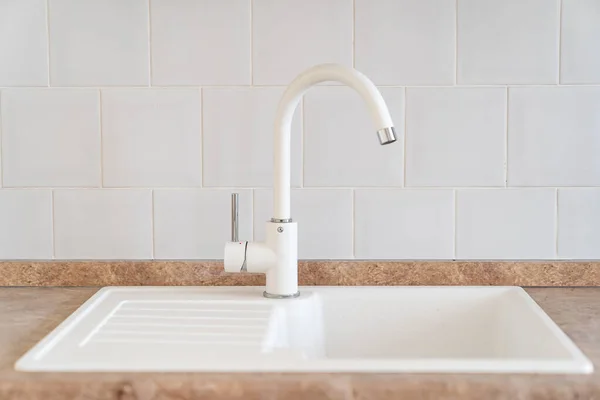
[281,296]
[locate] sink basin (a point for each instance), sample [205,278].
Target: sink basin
[326,329]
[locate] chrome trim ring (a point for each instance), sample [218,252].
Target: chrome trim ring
[281,221]
[281,296]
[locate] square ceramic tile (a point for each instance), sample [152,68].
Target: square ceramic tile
[103,224]
[406,42]
[95,43]
[290,36]
[196,224]
[340,142]
[324,218]
[202,42]
[23,43]
[553,136]
[455,136]
[238,137]
[579,223]
[509,41]
[26,229]
[505,224]
[580,41]
[404,224]
[50,137]
[151,137]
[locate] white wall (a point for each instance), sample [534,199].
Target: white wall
[126,124]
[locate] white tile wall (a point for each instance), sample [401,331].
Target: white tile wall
[98,43]
[392,223]
[26,228]
[219,52]
[455,136]
[554,136]
[50,137]
[23,43]
[151,137]
[505,223]
[103,224]
[508,41]
[406,42]
[579,223]
[580,46]
[125,126]
[291,35]
[340,146]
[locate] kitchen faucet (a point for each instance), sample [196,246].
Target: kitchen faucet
[277,257]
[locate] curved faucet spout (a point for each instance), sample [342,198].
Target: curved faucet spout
[285,111]
[277,256]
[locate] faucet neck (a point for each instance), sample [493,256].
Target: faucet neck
[285,112]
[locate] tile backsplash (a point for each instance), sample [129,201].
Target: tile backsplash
[126,124]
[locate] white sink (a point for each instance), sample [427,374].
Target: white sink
[361,329]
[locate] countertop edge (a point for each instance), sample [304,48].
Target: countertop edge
[310,273]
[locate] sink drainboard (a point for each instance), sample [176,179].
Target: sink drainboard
[209,324]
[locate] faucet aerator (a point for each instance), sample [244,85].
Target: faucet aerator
[386,135]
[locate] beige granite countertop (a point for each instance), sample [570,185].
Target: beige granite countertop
[310,273]
[27,314]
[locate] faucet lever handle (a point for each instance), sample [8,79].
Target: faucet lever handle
[235,251]
[235,217]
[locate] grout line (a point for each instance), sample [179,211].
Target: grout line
[150,77]
[53,222]
[560,17]
[237,86]
[252,215]
[48,38]
[506,139]
[153,228]
[253,224]
[100,127]
[69,188]
[201,137]
[306,188]
[302,139]
[556,223]
[455,218]
[251,42]
[353,33]
[353,223]
[404,134]
[456,42]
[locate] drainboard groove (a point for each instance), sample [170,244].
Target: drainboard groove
[178,325]
[177,341]
[195,317]
[196,310]
[219,334]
